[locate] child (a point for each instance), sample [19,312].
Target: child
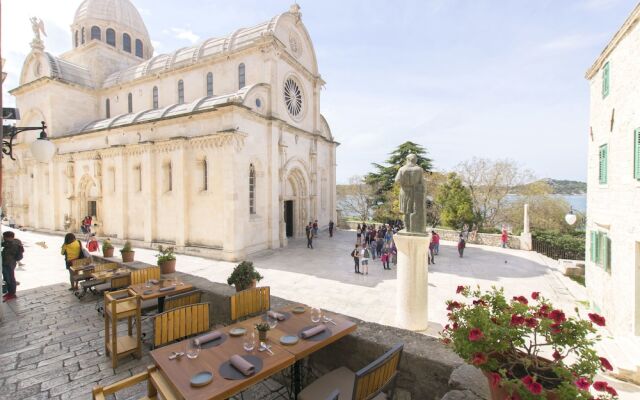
[461,245]
[385,258]
[92,244]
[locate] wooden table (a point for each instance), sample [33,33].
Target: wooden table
[180,372]
[106,275]
[140,288]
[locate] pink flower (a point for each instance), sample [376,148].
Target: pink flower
[611,391]
[531,322]
[556,328]
[459,289]
[475,335]
[521,299]
[517,320]
[557,355]
[606,364]
[527,380]
[494,379]
[557,316]
[535,388]
[479,359]
[597,319]
[535,295]
[583,383]
[453,305]
[600,386]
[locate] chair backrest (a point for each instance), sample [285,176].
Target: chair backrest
[81,262]
[180,323]
[335,395]
[156,384]
[373,378]
[120,281]
[105,267]
[250,301]
[144,274]
[182,299]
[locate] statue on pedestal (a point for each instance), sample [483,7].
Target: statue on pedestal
[412,195]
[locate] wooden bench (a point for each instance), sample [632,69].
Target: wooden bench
[157,384]
[249,302]
[180,323]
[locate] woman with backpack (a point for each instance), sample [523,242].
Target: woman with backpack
[365,254]
[71,250]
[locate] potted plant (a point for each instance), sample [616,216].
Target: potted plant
[244,276]
[527,348]
[107,248]
[166,260]
[262,329]
[127,253]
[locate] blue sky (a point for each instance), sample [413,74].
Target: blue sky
[486,78]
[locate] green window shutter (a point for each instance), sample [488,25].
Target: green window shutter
[636,154]
[602,166]
[599,248]
[606,253]
[593,247]
[605,80]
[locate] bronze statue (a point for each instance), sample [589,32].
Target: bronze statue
[412,195]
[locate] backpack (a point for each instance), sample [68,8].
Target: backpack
[353,253]
[20,252]
[92,245]
[366,253]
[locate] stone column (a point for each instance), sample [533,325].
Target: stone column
[525,236]
[180,182]
[149,184]
[413,283]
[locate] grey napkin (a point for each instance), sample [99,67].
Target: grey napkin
[153,281]
[313,331]
[242,365]
[207,337]
[276,315]
[166,289]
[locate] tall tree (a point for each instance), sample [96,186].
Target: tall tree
[455,203]
[383,179]
[357,199]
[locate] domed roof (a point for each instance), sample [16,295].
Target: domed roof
[121,12]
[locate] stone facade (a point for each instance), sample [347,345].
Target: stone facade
[613,204]
[218,149]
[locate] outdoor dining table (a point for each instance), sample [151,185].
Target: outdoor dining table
[180,370]
[107,275]
[153,291]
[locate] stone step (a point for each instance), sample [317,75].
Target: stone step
[621,354]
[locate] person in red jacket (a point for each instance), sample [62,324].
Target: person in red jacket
[504,238]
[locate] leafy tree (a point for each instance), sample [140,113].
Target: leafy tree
[389,208]
[357,198]
[456,205]
[384,178]
[433,185]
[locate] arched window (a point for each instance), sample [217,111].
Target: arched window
[155,97]
[76,42]
[111,37]
[95,33]
[130,103]
[241,76]
[107,108]
[252,189]
[210,84]
[82,36]
[180,91]
[126,42]
[139,48]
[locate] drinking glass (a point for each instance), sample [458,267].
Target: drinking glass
[316,315]
[273,322]
[148,284]
[193,349]
[249,340]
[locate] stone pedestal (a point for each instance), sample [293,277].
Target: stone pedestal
[526,241]
[413,283]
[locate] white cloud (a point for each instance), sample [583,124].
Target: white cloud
[185,34]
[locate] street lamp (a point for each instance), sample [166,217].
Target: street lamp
[42,149]
[570,218]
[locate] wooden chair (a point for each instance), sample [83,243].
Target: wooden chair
[118,305]
[157,385]
[182,299]
[369,383]
[145,274]
[249,302]
[180,323]
[77,273]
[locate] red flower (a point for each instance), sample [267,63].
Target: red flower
[521,299]
[459,289]
[597,319]
[495,320]
[535,388]
[600,386]
[475,335]
[544,311]
[453,305]
[557,355]
[494,379]
[606,364]
[517,320]
[531,322]
[611,391]
[556,328]
[557,316]
[527,380]
[583,383]
[479,359]
[535,295]
[514,396]
[480,302]
[454,326]
[446,341]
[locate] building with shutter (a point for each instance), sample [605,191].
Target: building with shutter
[219,149]
[613,181]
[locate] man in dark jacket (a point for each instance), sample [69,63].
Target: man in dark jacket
[11,253]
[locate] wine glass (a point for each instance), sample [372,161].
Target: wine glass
[249,340]
[148,284]
[193,349]
[272,321]
[316,315]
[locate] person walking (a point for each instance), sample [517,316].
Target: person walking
[465,231]
[379,244]
[435,238]
[12,252]
[356,259]
[461,245]
[394,254]
[92,244]
[430,256]
[365,254]
[315,228]
[504,238]
[359,235]
[385,258]
[71,250]
[331,228]
[309,233]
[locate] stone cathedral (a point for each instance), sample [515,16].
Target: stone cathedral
[219,149]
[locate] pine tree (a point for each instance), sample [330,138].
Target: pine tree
[456,205]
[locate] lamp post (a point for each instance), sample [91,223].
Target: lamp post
[42,149]
[570,218]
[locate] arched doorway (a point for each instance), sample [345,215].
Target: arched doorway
[295,203]
[88,198]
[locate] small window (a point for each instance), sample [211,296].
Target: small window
[111,37]
[126,42]
[636,154]
[180,91]
[139,48]
[605,80]
[241,76]
[76,39]
[82,36]
[129,103]
[95,33]
[601,250]
[252,189]
[155,97]
[107,108]
[602,166]
[210,84]
[205,175]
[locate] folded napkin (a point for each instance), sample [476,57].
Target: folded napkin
[242,365]
[276,315]
[166,289]
[313,331]
[207,337]
[147,291]
[153,281]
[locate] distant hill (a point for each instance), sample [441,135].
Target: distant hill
[562,186]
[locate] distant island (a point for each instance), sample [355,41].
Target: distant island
[561,187]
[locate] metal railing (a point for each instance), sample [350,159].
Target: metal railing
[555,252]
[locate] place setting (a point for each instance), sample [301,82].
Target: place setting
[318,331]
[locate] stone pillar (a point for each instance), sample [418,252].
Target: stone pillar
[525,236]
[149,184]
[413,283]
[180,183]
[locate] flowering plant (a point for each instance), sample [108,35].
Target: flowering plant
[526,347]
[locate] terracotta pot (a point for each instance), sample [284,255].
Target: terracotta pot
[262,335]
[127,256]
[107,252]
[500,393]
[167,267]
[240,289]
